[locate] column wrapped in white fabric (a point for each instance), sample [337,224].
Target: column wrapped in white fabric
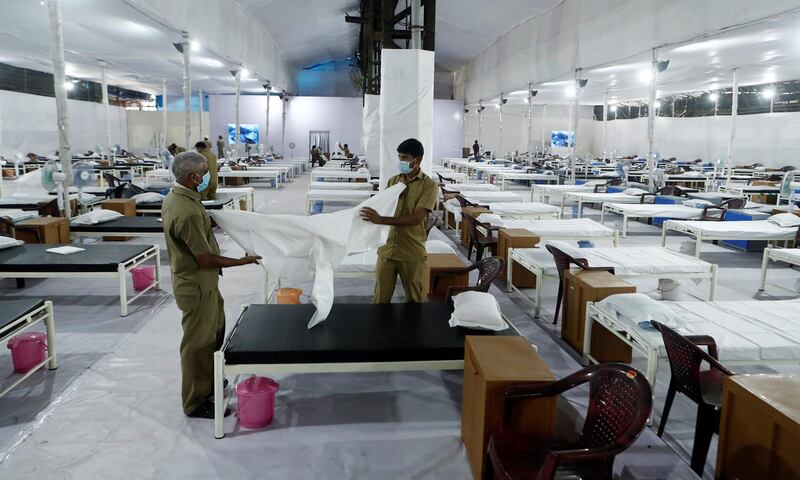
[298,248]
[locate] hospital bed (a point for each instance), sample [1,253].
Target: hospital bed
[248,194]
[483,197]
[16,316]
[649,210]
[713,230]
[96,260]
[286,171]
[16,215]
[341,196]
[223,202]
[545,192]
[268,174]
[788,255]
[628,262]
[340,186]
[565,229]
[362,265]
[523,210]
[275,339]
[747,332]
[468,187]
[601,198]
[318,173]
[121,227]
[521,176]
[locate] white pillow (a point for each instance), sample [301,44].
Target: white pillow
[492,219]
[149,197]
[634,191]
[96,216]
[477,310]
[785,219]
[8,242]
[638,307]
[438,246]
[696,203]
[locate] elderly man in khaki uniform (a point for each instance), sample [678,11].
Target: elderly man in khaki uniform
[195,263]
[204,149]
[404,252]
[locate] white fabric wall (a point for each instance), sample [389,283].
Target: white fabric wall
[585,33]
[406,106]
[28,124]
[448,130]
[341,116]
[371,137]
[144,128]
[770,139]
[253,110]
[515,127]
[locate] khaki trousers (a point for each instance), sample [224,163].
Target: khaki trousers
[411,272]
[203,333]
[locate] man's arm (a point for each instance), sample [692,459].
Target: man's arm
[191,232]
[414,218]
[209,260]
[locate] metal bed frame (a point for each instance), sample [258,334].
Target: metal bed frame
[774,254]
[699,236]
[619,209]
[538,271]
[44,314]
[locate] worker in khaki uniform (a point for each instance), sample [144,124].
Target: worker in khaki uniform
[404,251]
[220,147]
[195,263]
[204,149]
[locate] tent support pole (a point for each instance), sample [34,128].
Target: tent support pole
[60,87]
[200,108]
[104,86]
[500,140]
[732,137]
[164,123]
[651,125]
[187,92]
[605,124]
[530,121]
[576,105]
[237,90]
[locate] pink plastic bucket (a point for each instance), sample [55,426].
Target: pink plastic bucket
[143,276]
[28,350]
[256,397]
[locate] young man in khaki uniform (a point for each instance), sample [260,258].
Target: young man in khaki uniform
[204,149]
[404,251]
[220,147]
[195,263]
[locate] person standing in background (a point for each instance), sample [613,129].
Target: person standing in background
[347,153]
[476,150]
[220,147]
[204,149]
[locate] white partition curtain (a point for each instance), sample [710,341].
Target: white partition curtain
[321,139]
[371,137]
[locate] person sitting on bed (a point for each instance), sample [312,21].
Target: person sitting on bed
[195,263]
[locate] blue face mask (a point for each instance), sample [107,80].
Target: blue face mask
[404,167]
[204,184]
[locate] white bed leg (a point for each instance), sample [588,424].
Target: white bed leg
[123,291]
[712,292]
[158,267]
[562,205]
[616,238]
[50,326]
[587,336]
[532,187]
[664,235]
[580,208]
[697,245]
[603,214]
[509,283]
[652,367]
[537,302]
[625,224]
[764,266]
[219,394]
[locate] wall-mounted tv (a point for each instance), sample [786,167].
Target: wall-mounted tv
[560,138]
[248,133]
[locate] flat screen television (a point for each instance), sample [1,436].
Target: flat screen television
[248,133]
[561,138]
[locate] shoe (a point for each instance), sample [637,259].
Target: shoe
[206,410]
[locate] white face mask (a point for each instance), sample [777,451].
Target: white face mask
[404,167]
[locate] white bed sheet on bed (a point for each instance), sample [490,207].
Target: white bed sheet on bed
[17,215]
[627,261]
[578,228]
[754,230]
[340,186]
[791,255]
[521,208]
[490,197]
[340,194]
[470,187]
[743,330]
[591,197]
[364,262]
[657,210]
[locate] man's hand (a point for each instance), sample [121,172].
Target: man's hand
[248,259]
[370,215]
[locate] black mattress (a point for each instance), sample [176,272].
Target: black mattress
[33,257]
[11,310]
[124,225]
[396,332]
[222,200]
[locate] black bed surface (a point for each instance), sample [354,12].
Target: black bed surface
[396,332]
[11,310]
[33,257]
[124,225]
[222,200]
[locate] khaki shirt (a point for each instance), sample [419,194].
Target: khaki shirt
[408,243]
[188,232]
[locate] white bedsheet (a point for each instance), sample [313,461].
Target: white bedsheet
[298,248]
[340,195]
[656,210]
[469,187]
[364,262]
[743,330]
[577,228]
[17,215]
[490,197]
[754,230]
[591,197]
[521,208]
[627,261]
[790,255]
[340,186]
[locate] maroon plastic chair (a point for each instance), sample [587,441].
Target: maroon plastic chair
[563,261]
[464,202]
[702,387]
[620,402]
[488,270]
[611,183]
[730,204]
[479,240]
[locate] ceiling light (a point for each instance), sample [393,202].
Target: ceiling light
[519,92]
[570,91]
[613,108]
[657,104]
[646,76]
[713,97]
[245,73]
[768,93]
[68,85]
[195,45]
